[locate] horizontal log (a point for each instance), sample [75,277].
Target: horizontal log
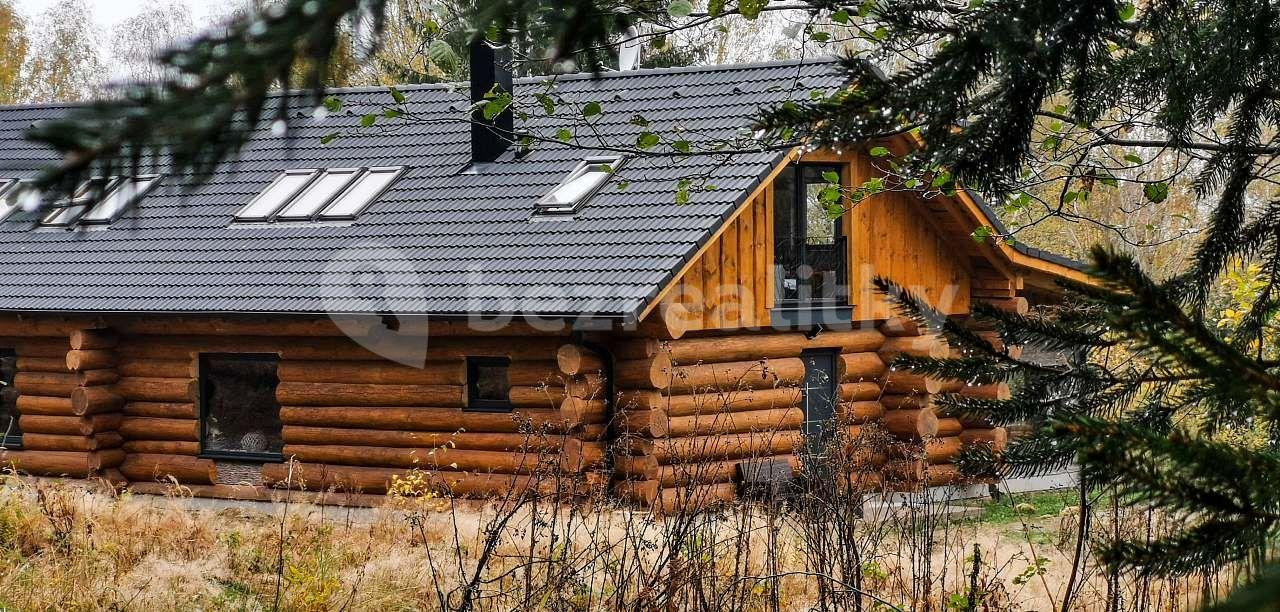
[1016,305]
[96,359]
[157,368]
[55,442]
[905,402]
[859,412]
[543,396]
[45,383]
[714,447]
[635,467]
[151,428]
[403,349]
[642,492]
[933,450]
[860,367]
[74,464]
[317,477]
[157,389]
[27,346]
[860,391]
[41,405]
[999,391]
[248,326]
[647,373]
[944,475]
[40,325]
[425,458]
[573,359]
[537,373]
[164,410]
[69,425]
[750,347]
[578,411]
[914,346]
[713,402]
[710,472]
[373,372]
[344,394]
[949,427]
[43,364]
[693,499]
[95,400]
[729,423]
[162,447]
[465,440]
[906,382]
[92,339]
[899,327]
[911,424]
[184,469]
[669,321]
[577,455]
[591,431]
[422,418]
[996,437]
[97,378]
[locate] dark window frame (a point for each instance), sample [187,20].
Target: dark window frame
[205,452]
[799,241]
[8,440]
[828,428]
[476,404]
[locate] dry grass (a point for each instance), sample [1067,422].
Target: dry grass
[67,548]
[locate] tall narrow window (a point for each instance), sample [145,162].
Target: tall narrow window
[820,395]
[10,431]
[810,249]
[240,417]
[488,386]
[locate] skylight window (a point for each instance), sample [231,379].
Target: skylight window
[8,198]
[279,193]
[582,183]
[327,195]
[126,192]
[353,201]
[67,213]
[318,194]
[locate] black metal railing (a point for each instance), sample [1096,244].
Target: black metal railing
[812,273]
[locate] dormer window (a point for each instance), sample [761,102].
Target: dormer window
[332,194]
[583,182]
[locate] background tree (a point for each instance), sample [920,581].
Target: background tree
[136,42]
[62,61]
[13,51]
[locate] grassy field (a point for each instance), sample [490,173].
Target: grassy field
[66,548]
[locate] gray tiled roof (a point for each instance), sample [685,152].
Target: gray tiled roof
[447,242]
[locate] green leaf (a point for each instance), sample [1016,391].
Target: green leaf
[981,234]
[819,37]
[1133,159]
[564,135]
[682,191]
[548,105]
[680,8]
[831,176]
[879,152]
[881,33]
[333,104]
[396,94]
[368,120]
[443,56]
[624,185]
[715,8]
[647,140]
[639,120]
[1128,11]
[495,106]
[682,146]
[330,137]
[591,109]
[841,17]
[1156,192]
[392,113]
[912,183]
[751,8]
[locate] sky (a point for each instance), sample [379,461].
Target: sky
[110,12]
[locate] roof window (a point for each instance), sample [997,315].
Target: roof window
[310,195]
[573,192]
[65,213]
[9,193]
[126,192]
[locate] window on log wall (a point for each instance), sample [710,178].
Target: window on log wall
[10,432]
[239,414]
[809,248]
[488,387]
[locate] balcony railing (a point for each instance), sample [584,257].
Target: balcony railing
[812,274]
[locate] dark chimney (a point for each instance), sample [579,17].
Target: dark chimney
[489,66]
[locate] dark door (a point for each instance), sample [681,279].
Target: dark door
[820,396]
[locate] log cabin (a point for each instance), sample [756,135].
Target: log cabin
[333,313]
